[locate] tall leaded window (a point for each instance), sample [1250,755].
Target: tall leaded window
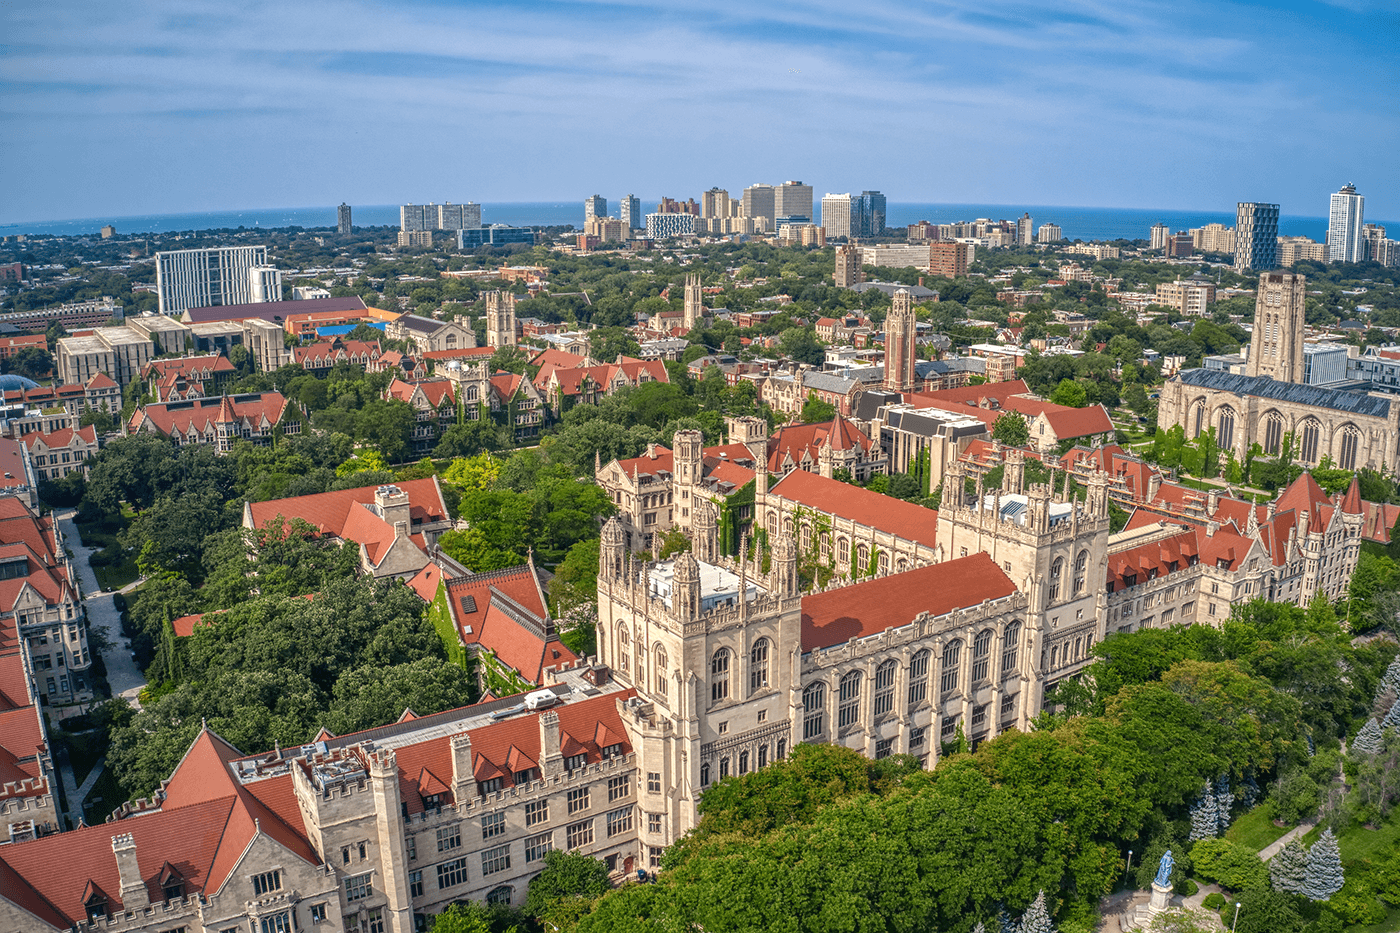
[1081,563]
[1311,433]
[658,660]
[758,665]
[884,688]
[1350,439]
[813,710]
[1057,573]
[848,705]
[1226,440]
[1273,434]
[981,656]
[624,648]
[952,656]
[1010,649]
[1200,420]
[719,675]
[918,678]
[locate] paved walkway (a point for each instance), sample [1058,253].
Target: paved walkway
[123,675]
[1269,851]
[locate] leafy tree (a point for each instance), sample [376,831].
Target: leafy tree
[472,917]
[388,425]
[473,437]
[31,362]
[1324,875]
[1070,393]
[800,344]
[365,696]
[815,411]
[1011,429]
[566,876]
[1289,868]
[1263,910]
[1234,866]
[478,472]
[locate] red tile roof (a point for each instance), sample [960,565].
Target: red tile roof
[885,513]
[467,353]
[792,443]
[838,616]
[329,512]
[487,608]
[199,416]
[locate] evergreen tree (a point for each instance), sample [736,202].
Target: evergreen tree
[1249,791]
[1036,919]
[1312,746]
[1368,740]
[1004,922]
[1390,681]
[1392,718]
[979,928]
[1289,868]
[1223,801]
[1205,821]
[1324,876]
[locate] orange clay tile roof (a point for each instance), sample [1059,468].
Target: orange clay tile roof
[487,607]
[329,512]
[793,442]
[466,353]
[885,513]
[838,616]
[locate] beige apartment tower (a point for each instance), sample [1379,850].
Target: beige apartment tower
[849,270]
[1276,348]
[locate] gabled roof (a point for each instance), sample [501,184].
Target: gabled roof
[504,612]
[796,441]
[344,512]
[885,513]
[868,608]
[199,416]
[63,437]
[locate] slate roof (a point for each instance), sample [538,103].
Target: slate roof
[1356,403]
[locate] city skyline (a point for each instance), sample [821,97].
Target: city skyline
[217,109]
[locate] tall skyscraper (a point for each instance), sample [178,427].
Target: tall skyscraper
[1160,232]
[759,202]
[900,331]
[1025,230]
[459,216]
[714,203]
[1256,236]
[596,206]
[630,210]
[1371,235]
[1344,226]
[206,278]
[837,210]
[343,219]
[849,270]
[872,214]
[1276,347]
[417,217]
[792,199]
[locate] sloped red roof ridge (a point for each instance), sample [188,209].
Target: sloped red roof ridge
[795,440]
[329,512]
[885,513]
[870,607]
[486,621]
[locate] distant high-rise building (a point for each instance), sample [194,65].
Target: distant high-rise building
[630,211]
[596,206]
[759,202]
[1276,346]
[849,271]
[1294,249]
[108,232]
[950,259]
[1344,225]
[661,226]
[416,217]
[792,199]
[342,219]
[1178,245]
[714,203]
[672,206]
[836,215]
[871,214]
[1160,232]
[459,216]
[1371,234]
[1025,230]
[1214,238]
[207,278]
[900,332]
[1256,236]
[1050,233]
[265,283]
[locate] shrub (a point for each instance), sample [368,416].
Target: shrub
[1214,901]
[1232,865]
[1187,888]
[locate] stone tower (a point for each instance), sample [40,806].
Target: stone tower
[694,302]
[688,456]
[750,431]
[900,331]
[500,319]
[1276,347]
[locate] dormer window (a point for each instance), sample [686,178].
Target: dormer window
[432,802]
[523,777]
[492,785]
[575,762]
[613,751]
[171,882]
[97,908]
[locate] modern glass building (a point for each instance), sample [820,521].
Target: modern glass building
[494,236]
[1256,236]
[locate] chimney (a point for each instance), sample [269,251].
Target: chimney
[134,895]
[551,756]
[463,777]
[391,503]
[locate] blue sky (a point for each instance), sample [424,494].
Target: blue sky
[142,107]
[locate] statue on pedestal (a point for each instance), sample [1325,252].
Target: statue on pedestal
[1164,870]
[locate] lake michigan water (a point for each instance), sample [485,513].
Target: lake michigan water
[1078,223]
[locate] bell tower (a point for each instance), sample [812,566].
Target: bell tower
[688,453]
[694,302]
[900,331]
[500,319]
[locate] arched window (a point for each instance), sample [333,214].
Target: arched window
[952,656]
[806,537]
[1081,563]
[624,654]
[901,565]
[1054,657]
[501,895]
[719,676]
[918,678]
[843,551]
[1057,572]
[787,524]
[848,707]
[1078,648]
[758,665]
[813,710]
[472,393]
[884,688]
[826,545]
[705,775]
[641,666]
[762,755]
[862,557]
[782,749]
[1010,649]
[884,563]
[1200,419]
[744,762]
[658,655]
[1350,441]
[724,768]
[981,657]
[772,525]
[1312,431]
[1225,438]
[1273,433]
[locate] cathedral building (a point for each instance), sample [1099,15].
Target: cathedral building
[1270,406]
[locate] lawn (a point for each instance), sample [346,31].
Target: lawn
[1254,830]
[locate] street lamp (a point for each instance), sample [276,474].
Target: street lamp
[1237,917]
[1129,869]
